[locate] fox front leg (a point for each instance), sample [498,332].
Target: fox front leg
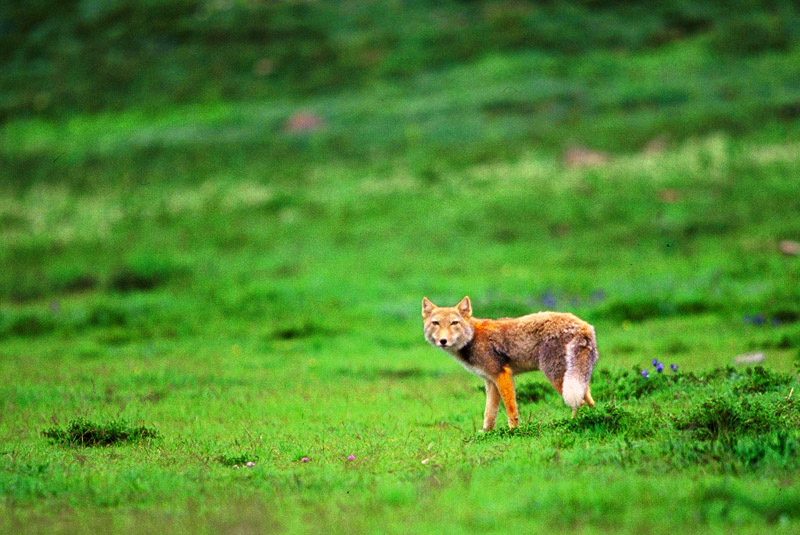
[492,404]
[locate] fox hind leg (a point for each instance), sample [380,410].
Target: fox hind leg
[588,397]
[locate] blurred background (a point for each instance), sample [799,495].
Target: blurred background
[291,171]
[70,57]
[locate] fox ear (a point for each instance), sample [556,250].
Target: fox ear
[427,307]
[464,307]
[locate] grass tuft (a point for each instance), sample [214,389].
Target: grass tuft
[82,432]
[728,416]
[236,459]
[739,432]
[606,418]
[759,380]
[724,417]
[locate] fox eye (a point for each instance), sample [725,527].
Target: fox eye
[454,322]
[435,323]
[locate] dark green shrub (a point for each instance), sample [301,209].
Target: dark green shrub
[236,459]
[144,274]
[753,33]
[624,384]
[638,309]
[534,392]
[26,323]
[77,282]
[727,417]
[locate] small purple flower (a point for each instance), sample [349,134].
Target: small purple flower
[351,457]
[304,460]
[598,296]
[250,464]
[655,362]
[673,367]
[659,367]
[755,319]
[549,299]
[645,374]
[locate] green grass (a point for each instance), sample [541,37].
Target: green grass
[252,294]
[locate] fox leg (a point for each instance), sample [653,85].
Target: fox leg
[505,384]
[588,397]
[492,404]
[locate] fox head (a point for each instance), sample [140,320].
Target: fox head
[448,328]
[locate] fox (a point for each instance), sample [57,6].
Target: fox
[561,345]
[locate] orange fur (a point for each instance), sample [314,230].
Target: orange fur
[505,384]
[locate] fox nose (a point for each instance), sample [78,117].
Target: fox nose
[443,342]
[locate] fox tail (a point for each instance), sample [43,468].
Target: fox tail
[581,357]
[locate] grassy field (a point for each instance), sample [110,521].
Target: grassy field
[204,286]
